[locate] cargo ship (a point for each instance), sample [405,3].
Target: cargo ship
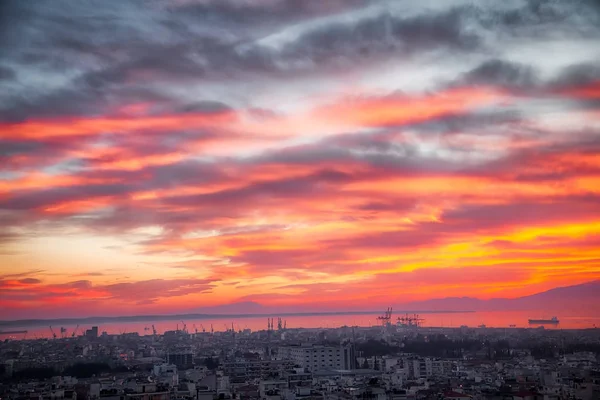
[11,332]
[553,321]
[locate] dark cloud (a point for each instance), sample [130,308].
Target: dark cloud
[206,107]
[290,188]
[473,122]
[552,211]
[91,274]
[81,284]
[235,13]
[65,101]
[151,290]
[345,44]
[22,275]
[113,49]
[578,75]
[549,12]
[503,74]
[47,197]
[11,147]
[6,73]
[29,281]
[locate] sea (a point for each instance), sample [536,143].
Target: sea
[489,319]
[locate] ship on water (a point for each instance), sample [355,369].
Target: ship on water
[552,321]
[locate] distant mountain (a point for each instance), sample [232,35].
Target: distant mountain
[578,299]
[581,297]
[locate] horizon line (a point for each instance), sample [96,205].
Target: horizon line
[148,317]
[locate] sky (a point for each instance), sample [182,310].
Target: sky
[165,156]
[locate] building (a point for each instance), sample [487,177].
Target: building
[92,333]
[317,357]
[297,377]
[246,370]
[182,360]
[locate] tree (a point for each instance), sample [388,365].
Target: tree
[34,373]
[211,363]
[86,370]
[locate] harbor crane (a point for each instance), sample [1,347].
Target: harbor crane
[75,331]
[408,321]
[386,317]
[63,331]
[53,334]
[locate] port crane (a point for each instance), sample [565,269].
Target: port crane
[386,317]
[410,320]
[53,334]
[75,331]
[63,332]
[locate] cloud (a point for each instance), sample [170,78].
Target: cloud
[126,293]
[503,74]
[29,281]
[6,73]
[157,288]
[22,275]
[292,150]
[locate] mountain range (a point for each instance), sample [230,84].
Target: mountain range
[576,297]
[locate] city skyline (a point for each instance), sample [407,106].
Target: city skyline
[162,156]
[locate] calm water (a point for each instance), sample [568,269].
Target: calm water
[473,319]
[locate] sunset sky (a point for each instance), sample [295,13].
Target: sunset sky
[164,156]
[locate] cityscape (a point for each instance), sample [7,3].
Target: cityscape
[398,358]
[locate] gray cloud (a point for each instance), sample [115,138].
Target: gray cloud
[502,73]
[6,73]
[46,197]
[104,53]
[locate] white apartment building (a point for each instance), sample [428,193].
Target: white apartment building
[318,358]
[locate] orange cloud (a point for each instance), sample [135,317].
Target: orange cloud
[397,109]
[79,126]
